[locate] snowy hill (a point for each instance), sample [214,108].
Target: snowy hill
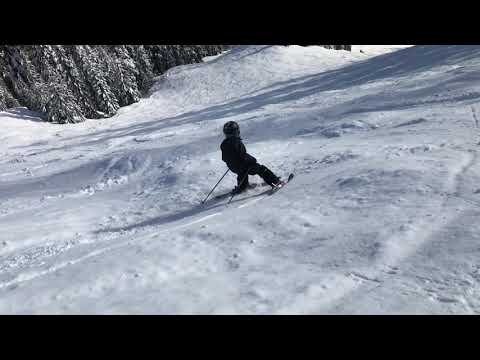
[382,216]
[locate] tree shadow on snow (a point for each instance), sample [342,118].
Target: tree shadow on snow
[24,114]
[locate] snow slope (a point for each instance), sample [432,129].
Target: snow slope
[382,216]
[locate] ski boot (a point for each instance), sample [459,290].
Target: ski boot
[277,185]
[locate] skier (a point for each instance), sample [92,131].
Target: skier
[240,162]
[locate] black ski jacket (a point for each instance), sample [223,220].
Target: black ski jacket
[235,155]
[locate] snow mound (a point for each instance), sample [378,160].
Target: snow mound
[119,171]
[412,122]
[338,130]
[339,157]
[244,70]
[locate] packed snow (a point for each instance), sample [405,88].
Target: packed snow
[104,217]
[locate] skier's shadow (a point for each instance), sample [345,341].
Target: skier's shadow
[170,218]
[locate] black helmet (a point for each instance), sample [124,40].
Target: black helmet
[231,128]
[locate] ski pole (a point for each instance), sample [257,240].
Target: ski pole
[241,182]
[203,202]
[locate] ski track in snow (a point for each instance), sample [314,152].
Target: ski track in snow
[35,257]
[104,217]
[55,251]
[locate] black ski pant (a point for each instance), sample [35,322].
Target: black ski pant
[268,176]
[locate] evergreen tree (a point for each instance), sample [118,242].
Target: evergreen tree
[95,73]
[143,64]
[123,75]
[61,106]
[6,99]
[3,100]
[76,82]
[21,78]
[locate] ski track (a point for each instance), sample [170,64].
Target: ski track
[56,251]
[36,256]
[475,119]
[393,255]
[39,254]
[414,240]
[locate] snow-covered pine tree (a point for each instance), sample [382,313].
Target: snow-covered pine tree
[57,76]
[141,59]
[76,82]
[156,56]
[3,100]
[93,64]
[6,99]
[121,71]
[170,56]
[61,106]
[177,55]
[44,60]
[193,55]
[21,78]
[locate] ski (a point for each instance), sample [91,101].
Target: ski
[224,195]
[254,186]
[276,188]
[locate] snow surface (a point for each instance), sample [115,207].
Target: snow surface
[103,217]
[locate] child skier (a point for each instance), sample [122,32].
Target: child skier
[240,162]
